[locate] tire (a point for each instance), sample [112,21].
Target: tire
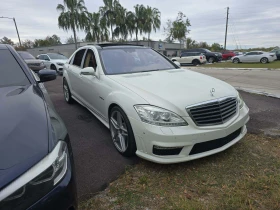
[195,62]
[53,67]
[264,60]
[121,131]
[67,93]
[236,60]
[211,60]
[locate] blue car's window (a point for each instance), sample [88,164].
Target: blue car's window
[133,60]
[11,73]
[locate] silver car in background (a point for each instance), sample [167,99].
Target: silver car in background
[32,63]
[254,57]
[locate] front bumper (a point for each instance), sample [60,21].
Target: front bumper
[147,136]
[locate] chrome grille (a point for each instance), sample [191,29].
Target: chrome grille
[213,112]
[34,64]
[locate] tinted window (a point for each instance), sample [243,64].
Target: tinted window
[26,55]
[79,57]
[44,57]
[252,53]
[10,71]
[185,54]
[260,53]
[132,60]
[89,59]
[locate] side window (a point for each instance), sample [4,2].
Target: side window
[41,57]
[250,53]
[78,58]
[90,60]
[260,53]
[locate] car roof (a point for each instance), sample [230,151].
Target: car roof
[3,47]
[115,45]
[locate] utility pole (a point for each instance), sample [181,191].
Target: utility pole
[17,31]
[15,26]
[225,45]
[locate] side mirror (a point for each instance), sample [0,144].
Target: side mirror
[177,63]
[46,75]
[88,71]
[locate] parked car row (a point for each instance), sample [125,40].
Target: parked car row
[151,107]
[52,61]
[198,56]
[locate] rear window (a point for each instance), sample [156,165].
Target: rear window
[10,71]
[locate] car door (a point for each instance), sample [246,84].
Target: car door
[74,73]
[249,57]
[46,60]
[92,86]
[184,58]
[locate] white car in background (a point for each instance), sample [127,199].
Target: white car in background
[53,61]
[152,107]
[254,57]
[194,58]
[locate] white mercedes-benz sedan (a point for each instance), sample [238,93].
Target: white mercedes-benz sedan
[152,107]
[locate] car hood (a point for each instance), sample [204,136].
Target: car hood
[59,60]
[23,132]
[175,89]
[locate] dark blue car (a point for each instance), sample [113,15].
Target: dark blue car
[36,159]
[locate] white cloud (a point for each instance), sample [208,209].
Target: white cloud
[251,23]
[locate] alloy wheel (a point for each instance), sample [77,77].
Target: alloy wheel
[264,60]
[66,92]
[119,132]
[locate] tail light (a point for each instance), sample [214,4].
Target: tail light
[200,57]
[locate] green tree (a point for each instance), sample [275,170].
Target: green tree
[137,19]
[6,40]
[48,41]
[73,16]
[153,21]
[216,47]
[178,29]
[96,29]
[70,40]
[109,11]
[26,44]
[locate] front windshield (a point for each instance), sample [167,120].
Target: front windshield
[133,60]
[26,55]
[57,56]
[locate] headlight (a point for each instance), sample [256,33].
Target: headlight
[240,101]
[37,181]
[60,64]
[158,116]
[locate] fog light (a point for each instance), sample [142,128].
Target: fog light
[159,150]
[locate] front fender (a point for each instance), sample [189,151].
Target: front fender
[125,101]
[66,76]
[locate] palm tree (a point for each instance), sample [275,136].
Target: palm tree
[121,23]
[109,11]
[72,16]
[138,19]
[96,30]
[152,20]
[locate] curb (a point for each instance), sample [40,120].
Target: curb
[258,92]
[220,68]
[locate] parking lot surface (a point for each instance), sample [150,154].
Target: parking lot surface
[97,161]
[254,80]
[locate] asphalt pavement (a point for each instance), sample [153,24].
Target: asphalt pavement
[97,161]
[253,80]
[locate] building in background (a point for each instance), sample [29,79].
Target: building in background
[168,49]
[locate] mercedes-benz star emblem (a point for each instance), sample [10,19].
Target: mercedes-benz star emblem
[212,91]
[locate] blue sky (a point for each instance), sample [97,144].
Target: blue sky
[252,23]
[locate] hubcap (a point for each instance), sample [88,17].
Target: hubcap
[263,60]
[66,92]
[118,130]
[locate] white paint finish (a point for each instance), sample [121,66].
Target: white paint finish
[172,90]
